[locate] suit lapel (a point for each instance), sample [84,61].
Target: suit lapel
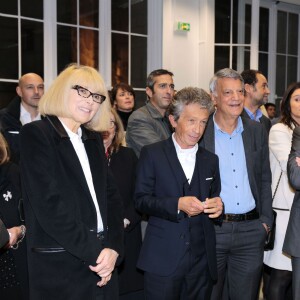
[208,139]
[68,152]
[171,155]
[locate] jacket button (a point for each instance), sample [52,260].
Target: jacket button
[182,236]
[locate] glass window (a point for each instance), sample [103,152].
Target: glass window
[28,11]
[138,61]
[119,58]
[9,7]
[221,57]
[129,42]
[248,24]
[66,46]
[66,11]
[89,12]
[240,58]
[9,48]
[139,16]
[78,43]
[280,74]
[32,47]
[222,21]
[263,63]
[263,29]
[120,15]
[140,98]
[293,34]
[281,31]
[292,63]
[89,47]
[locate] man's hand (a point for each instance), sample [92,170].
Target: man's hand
[213,207]
[105,265]
[192,206]
[298,161]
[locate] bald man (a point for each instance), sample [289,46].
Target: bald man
[21,110]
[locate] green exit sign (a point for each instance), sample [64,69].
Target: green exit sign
[183,26]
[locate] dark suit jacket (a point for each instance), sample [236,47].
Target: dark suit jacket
[257,160]
[160,183]
[60,213]
[10,127]
[266,122]
[292,239]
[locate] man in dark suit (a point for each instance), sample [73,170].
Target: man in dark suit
[242,147]
[178,186]
[21,110]
[256,95]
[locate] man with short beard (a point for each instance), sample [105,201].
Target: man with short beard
[21,110]
[149,124]
[256,95]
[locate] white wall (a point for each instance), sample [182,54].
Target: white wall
[189,55]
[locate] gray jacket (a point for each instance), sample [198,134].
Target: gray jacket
[146,126]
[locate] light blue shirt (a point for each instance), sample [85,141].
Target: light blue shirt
[254,117]
[236,192]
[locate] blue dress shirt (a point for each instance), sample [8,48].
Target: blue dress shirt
[236,192]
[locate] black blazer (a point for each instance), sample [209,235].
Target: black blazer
[60,213]
[10,126]
[160,183]
[266,122]
[256,148]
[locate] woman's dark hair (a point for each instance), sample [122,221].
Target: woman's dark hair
[122,86]
[285,106]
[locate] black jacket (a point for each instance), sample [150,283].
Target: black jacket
[10,127]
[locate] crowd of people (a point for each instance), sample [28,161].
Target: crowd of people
[173,200]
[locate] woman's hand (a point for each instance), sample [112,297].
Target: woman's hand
[15,234]
[105,265]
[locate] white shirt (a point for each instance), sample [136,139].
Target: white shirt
[25,116]
[187,158]
[84,161]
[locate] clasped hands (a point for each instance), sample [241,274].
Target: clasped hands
[105,265]
[192,206]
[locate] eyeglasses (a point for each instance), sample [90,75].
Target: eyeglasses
[85,93]
[112,124]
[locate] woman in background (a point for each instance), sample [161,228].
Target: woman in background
[72,206]
[122,162]
[13,260]
[280,139]
[123,97]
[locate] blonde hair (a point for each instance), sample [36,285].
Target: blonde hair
[4,150]
[120,133]
[55,101]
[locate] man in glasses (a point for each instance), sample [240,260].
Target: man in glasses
[21,110]
[178,186]
[149,124]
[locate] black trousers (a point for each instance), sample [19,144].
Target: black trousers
[190,281]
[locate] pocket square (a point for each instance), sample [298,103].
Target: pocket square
[209,178]
[14,132]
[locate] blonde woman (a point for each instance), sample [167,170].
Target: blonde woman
[74,212]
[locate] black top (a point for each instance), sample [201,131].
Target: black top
[124,117]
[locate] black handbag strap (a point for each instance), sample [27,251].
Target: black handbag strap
[277,185]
